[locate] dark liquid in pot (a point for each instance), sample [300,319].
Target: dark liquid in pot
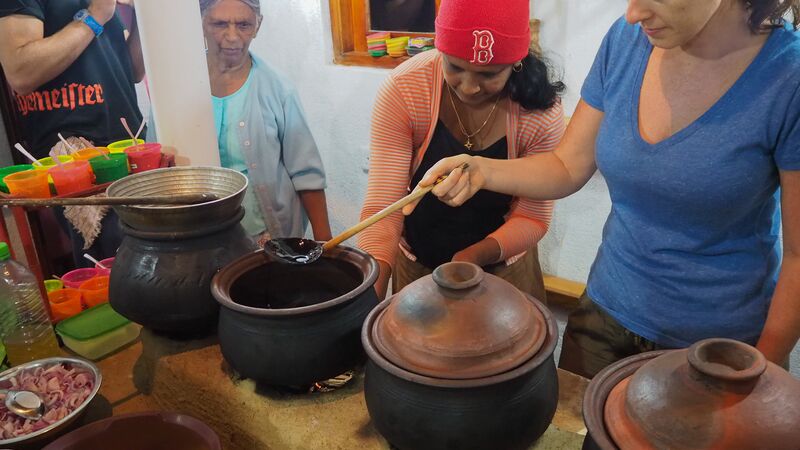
[278,285]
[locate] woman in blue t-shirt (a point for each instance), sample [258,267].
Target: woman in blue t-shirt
[691,112]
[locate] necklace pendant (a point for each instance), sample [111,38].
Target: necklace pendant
[468,144]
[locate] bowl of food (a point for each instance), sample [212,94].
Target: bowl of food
[64,385]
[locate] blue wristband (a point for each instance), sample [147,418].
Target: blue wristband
[84,16]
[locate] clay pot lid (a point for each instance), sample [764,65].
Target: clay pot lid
[459,323]
[719,393]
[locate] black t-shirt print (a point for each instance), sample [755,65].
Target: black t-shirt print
[90,96]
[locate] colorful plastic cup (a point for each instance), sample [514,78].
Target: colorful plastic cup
[95,291]
[72,177]
[47,163]
[65,303]
[144,157]
[74,278]
[8,171]
[53,285]
[120,146]
[28,183]
[85,154]
[112,169]
[108,263]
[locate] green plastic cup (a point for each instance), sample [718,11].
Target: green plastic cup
[8,171]
[53,285]
[112,169]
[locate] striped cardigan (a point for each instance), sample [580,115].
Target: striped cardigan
[403,121]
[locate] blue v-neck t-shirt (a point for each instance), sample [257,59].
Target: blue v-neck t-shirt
[690,249]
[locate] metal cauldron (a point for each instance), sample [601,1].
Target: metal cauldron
[163,268]
[227,184]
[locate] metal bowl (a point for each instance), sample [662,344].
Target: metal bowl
[227,184]
[55,429]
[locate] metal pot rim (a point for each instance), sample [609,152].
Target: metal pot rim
[224,279]
[545,352]
[130,178]
[98,378]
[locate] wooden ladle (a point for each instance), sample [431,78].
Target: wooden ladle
[306,251]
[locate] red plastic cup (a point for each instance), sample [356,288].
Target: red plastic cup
[28,183]
[95,291]
[144,157]
[65,303]
[75,278]
[72,177]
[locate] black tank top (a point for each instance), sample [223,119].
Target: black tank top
[435,231]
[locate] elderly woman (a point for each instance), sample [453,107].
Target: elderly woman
[261,128]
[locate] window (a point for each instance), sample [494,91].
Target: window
[353,20]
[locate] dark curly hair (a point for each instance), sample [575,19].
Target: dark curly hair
[532,86]
[768,14]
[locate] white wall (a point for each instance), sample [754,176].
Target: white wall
[296,39]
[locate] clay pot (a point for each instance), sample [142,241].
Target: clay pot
[293,325]
[718,393]
[162,280]
[460,359]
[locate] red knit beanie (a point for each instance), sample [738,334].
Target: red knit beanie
[484,31]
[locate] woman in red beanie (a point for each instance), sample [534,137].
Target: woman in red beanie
[482,93]
[691,112]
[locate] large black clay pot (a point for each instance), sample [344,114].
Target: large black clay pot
[163,280]
[424,344]
[292,325]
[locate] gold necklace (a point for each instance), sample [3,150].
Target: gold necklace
[468,144]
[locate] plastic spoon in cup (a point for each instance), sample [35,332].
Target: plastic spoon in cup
[96,262]
[139,131]
[22,150]
[128,129]
[306,251]
[67,145]
[55,158]
[87,144]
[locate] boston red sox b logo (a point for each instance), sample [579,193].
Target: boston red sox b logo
[482,50]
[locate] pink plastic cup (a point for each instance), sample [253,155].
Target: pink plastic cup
[144,157]
[72,177]
[75,278]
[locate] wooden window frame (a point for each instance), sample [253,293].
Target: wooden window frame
[349,29]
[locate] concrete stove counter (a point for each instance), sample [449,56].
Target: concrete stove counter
[191,377]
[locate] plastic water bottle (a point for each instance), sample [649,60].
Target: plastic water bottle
[25,327]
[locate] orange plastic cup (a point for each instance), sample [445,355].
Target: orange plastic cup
[95,291]
[65,303]
[72,177]
[28,183]
[144,157]
[88,153]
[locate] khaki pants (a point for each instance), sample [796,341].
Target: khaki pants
[593,340]
[525,274]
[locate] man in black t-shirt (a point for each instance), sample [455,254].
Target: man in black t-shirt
[71,69]
[72,72]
